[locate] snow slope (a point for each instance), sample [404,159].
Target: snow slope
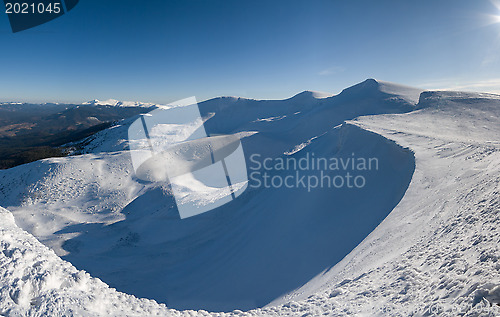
[288,122]
[35,282]
[437,249]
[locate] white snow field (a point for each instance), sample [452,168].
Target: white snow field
[117,103]
[83,236]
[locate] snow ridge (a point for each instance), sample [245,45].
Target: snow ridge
[436,252]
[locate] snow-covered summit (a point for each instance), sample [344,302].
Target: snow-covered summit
[371,87]
[312,95]
[117,103]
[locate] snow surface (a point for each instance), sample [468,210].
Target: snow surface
[117,103]
[422,238]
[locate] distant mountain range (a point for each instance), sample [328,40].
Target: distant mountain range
[29,132]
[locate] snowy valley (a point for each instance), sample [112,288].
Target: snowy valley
[82,235]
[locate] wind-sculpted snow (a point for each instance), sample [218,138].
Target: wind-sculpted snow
[36,282]
[285,123]
[224,260]
[436,251]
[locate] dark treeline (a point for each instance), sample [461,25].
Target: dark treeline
[28,148]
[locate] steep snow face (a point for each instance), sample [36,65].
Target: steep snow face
[437,249]
[371,89]
[247,253]
[410,94]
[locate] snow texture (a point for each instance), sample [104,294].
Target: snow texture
[420,240]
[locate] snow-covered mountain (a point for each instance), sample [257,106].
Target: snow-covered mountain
[117,103]
[421,237]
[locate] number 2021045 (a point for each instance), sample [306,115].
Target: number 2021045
[32,8]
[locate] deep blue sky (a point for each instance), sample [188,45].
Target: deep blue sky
[161,51]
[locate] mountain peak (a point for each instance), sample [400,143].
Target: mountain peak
[309,94]
[371,82]
[371,86]
[117,103]
[97,102]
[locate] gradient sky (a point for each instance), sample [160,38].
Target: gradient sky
[162,50]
